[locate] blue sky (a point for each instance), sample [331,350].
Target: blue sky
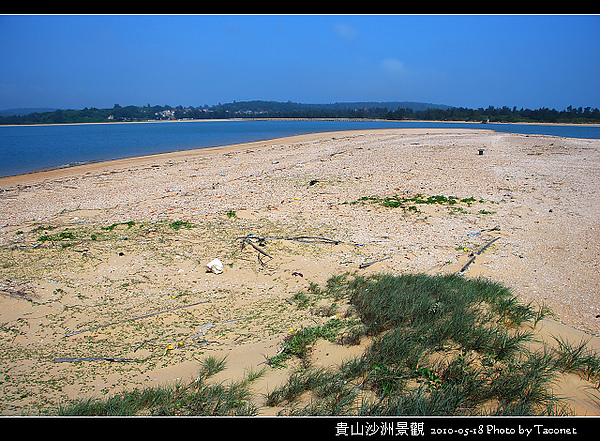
[76,61]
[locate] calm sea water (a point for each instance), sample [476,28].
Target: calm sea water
[26,149]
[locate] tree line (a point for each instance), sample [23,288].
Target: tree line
[270,109]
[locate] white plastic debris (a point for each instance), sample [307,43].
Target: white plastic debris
[215,266]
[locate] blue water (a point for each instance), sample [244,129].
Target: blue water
[26,149]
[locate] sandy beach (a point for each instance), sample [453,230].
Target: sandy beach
[140,232]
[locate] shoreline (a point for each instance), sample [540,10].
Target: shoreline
[304,119]
[482,126]
[119,256]
[69,171]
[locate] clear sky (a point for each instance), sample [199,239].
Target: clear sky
[77,61]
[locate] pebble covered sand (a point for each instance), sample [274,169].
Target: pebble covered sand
[546,190]
[538,194]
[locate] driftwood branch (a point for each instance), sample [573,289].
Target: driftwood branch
[73,360]
[314,239]
[259,250]
[302,239]
[367,264]
[487,245]
[135,318]
[250,239]
[472,259]
[466,266]
[143,343]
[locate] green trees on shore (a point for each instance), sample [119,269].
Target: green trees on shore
[272,109]
[502,114]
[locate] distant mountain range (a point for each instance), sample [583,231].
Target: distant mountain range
[26,111]
[390,105]
[289,106]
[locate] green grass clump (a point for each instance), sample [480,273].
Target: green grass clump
[111,227]
[56,237]
[177,225]
[298,343]
[409,203]
[198,398]
[441,345]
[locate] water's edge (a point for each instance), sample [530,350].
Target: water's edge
[30,149]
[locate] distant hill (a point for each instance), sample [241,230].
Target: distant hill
[289,106]
[26,111]
[390,105]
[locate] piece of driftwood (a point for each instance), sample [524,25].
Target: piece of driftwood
[314,239]
[135,318]
[472,259]
[260,261]
[143,343]
[234,320]
[73,360]
[367,264]
[302,239]
[466,266]
[487,245]
[250,239]
[259,250]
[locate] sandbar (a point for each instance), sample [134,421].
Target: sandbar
[538,194]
